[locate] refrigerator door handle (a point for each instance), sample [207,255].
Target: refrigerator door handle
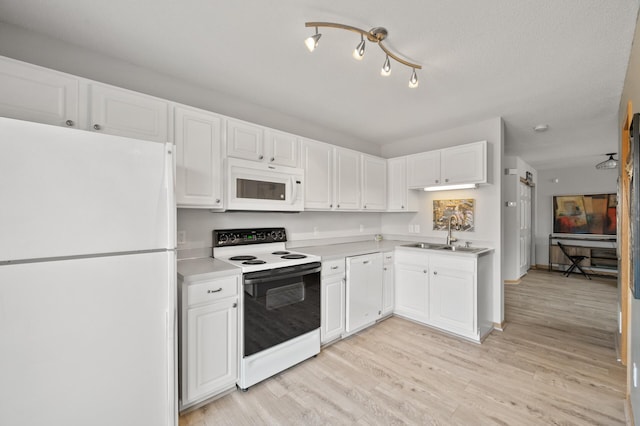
[170,183]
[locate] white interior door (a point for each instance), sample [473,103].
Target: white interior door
[525,228]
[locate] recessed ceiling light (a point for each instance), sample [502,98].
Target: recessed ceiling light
[541,128]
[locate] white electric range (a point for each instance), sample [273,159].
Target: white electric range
[280,300]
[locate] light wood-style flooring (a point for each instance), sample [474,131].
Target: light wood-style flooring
[554,364]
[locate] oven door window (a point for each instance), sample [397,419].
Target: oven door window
[260,190]
[279,310]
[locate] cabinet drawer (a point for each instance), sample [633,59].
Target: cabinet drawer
[333,267]
[453,262]
[212,290]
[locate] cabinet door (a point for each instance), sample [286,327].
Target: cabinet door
[374,182]
[212,349]
[411,286]
[316,159]
[124,113]
[281,148]
[347,179]
[423,169]
[32,93]
[452,294]
[332,308]
[245,140]
[198,136]
[465,164]
[387,284]
[397,184]
[364,291]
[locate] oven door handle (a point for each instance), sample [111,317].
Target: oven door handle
[260,280]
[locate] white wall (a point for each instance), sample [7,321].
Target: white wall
[488,214]
[34,48]
[302,228]
[575,180]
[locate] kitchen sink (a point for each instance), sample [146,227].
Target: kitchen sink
[425,246]
[462,249]
[434,246]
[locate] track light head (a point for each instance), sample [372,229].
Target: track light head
[413,81]
[358,52]
[312,41]
[386,67]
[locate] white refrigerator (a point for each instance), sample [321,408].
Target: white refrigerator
[87,278]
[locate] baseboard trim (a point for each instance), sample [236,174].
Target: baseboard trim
[500,326]
[513,282]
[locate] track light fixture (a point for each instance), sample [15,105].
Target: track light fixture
[611,163]
[375,35]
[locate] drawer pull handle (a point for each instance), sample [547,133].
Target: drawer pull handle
[215,291]
[334,267]
[365,262]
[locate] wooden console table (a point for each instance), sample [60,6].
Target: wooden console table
[600,259]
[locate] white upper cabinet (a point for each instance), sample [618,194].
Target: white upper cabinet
[449,166]
[374,182]
[125,113]
[464,164]
[347,179]
[198,136]
[316,158]
[245,140]
[399,197]
[281,148]
[32,93]
[256,143]
[423,169]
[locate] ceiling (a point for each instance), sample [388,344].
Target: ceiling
[561,63]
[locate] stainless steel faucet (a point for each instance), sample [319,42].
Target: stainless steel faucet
[450,239]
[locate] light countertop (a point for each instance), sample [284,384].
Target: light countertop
[204,269]
[334,251]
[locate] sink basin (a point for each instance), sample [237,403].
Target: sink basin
[462,249]
[425,246]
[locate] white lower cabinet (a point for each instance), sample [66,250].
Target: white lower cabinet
[387,283]
[208,338]
[449,291]
[332,303]
[452,294]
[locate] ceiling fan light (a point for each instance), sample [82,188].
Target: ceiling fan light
[312,41]
[386,67]
[358,52]
[610,163]
[413,81]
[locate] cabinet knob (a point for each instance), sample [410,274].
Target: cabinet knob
[217,200]
[235,305]
[402,207]
[272,159]
[330,205]
[435,272]
[365,206]
[334,267]
[384,269]
[437,181]
[261,157]
[97,127]
[69,123]
[424,271]
[215,291]
[338,205]
[446,180]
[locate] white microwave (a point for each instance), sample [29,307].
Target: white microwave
[259,186]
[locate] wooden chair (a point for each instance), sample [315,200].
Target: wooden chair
[575,262]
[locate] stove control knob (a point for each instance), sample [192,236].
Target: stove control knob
[233,238]
[273,235]
[223,238]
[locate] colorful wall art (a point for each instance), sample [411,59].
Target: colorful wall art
[462,210]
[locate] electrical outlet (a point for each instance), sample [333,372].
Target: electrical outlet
[411,229]
[416,229]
